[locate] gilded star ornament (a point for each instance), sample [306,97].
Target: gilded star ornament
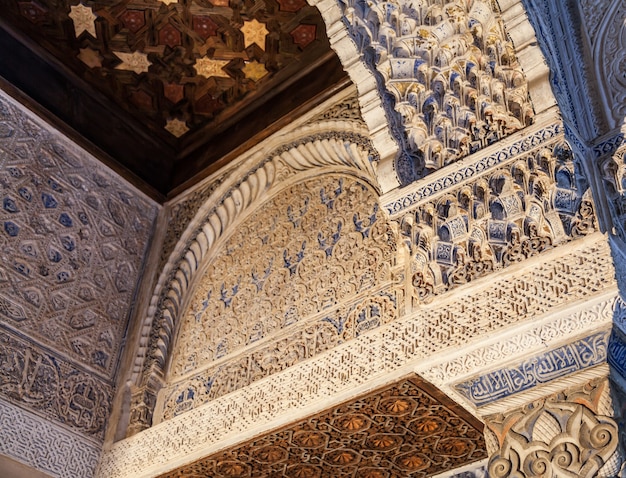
[136,61]
[176,127]
[90,57]
[254,70]
[208,67]
[254,32]
[83,18]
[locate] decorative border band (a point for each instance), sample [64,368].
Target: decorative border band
[478,166]
[539,369]
[40,444]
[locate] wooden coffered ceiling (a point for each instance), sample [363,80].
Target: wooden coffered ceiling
[168,89]
[407,429]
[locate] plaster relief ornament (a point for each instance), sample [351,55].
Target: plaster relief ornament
[614,175]
[311,247]
[451,78]
[561,435]
[500,218]
[72,245]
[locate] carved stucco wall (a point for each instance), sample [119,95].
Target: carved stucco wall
[572,433]
[529,183]
[315,262]
[487,246]
[482,235]
[606,37]
[72,243]
[437,80]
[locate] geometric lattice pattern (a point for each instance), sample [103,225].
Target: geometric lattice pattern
[72,242]
[408,429]
[45,446]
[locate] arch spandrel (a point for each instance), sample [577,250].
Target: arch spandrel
[313,144]
[308,269]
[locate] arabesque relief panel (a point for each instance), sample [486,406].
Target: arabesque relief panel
[318,260]
[73,238]
[569,433]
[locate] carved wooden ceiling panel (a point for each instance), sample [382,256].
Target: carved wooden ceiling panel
[176,65]
[166,88]
[407,429]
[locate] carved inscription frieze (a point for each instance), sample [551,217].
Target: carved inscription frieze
[538,294]
[314,245]
[408,429]
[489,356]
[536,370]
[453,76]
[53,387]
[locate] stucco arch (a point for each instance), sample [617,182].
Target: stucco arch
[332,145]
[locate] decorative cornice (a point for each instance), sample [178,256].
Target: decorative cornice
[617,353]
[470,168]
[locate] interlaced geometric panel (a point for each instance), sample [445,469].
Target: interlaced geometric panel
[72,242]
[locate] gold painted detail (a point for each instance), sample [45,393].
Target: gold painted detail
[254,70]
[208,67]
[137,62]
[91,58]
[83,18]
[254,32]
[177,127]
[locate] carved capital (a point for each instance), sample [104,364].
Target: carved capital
[566,434]
[142,404]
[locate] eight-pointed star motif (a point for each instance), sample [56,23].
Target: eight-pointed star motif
[83,18]
[136,61]
[254,32]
